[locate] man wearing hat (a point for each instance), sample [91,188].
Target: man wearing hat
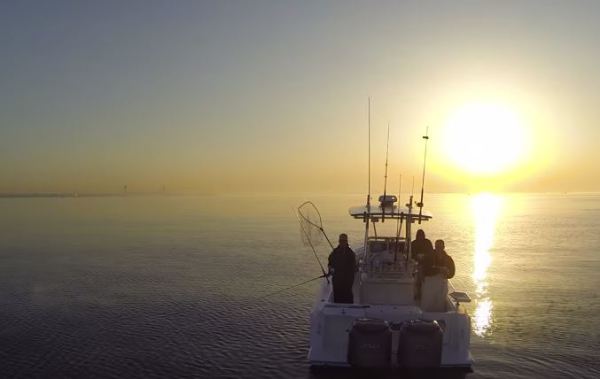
[342,265]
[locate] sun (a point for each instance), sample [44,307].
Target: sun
[485,139]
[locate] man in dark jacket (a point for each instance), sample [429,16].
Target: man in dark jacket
[422,250]
[421,247]
[342,265]
[441,263]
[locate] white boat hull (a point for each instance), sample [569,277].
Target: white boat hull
[331,324]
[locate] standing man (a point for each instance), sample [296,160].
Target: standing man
[342,265]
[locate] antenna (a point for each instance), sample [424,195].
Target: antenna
[369,170]
[420,204]
[387,149]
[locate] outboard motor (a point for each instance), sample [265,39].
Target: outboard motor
[370,344]
[420,344]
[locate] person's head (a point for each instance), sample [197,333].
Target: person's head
[420,235]
[439,245]
[343,240]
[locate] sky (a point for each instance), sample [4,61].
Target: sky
[271,96]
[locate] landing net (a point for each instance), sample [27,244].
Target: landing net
[311,224]
[311,228]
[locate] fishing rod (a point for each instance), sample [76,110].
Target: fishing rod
[398,220]
[387,149]
[409,221]
[420,204]
[367,214]
[294,286]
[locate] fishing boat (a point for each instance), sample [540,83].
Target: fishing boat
[391,322]
[399,318]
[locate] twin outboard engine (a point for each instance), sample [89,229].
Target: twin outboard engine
[420,344]
[417,344]
[370,344]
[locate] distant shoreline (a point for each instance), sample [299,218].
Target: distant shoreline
[141,194]
[75,194]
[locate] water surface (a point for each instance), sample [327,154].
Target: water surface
[171,285]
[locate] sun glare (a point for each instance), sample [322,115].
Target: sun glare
[485,139]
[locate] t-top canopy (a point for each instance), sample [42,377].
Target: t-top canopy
[394,212]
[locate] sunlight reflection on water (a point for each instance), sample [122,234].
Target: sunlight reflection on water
[485,208]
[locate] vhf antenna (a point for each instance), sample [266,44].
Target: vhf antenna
[420,204]
[387,149]
[369,163]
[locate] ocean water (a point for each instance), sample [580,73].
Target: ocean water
[173,286]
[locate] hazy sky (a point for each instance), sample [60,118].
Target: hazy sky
[272,95]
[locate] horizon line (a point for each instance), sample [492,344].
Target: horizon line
[52,194]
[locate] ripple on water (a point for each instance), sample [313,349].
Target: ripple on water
[142,293]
